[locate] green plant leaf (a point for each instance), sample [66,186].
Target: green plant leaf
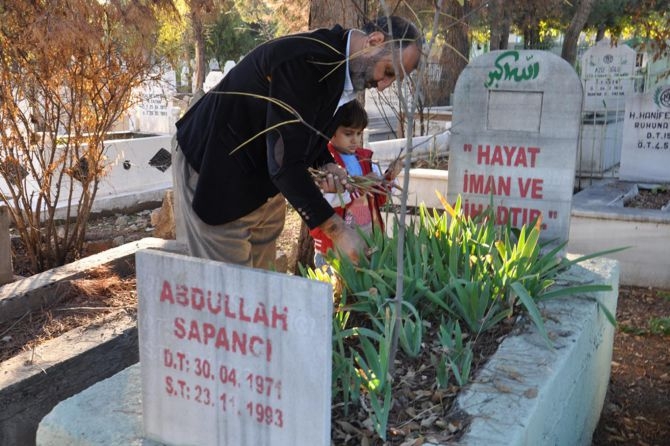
[532,310]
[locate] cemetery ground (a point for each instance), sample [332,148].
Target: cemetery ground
[637,406]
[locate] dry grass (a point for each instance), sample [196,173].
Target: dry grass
[83,302]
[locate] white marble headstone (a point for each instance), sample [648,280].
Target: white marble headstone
[154,111]
[232,355]
[228,66]
[607,74]
[645,155]
[514,138]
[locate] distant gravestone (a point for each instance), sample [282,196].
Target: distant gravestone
[645,155]
[154,111]
[607,75]
[232,355]
[6,270]
[229,65]
[213,77]
[514,138]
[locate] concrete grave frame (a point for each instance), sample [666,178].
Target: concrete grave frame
[600,221]
[526,394]
[33,382]
[138,170]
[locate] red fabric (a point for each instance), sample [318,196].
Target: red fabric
[322,243]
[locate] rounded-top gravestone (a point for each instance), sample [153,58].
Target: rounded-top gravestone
[514,138]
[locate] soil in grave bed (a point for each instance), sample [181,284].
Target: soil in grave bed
[83,302]
[649,199]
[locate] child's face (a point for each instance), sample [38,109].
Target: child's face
[347,139]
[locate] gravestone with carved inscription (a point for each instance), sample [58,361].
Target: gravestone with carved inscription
[154,112]
[607,75]
[514,138]
[645,155]
[232,355]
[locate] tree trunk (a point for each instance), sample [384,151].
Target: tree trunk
[496,20]
[455,53]
[569,50]
[326,13]
[199,44]
[506,24]
[531,37]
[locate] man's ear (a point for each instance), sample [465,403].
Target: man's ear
[376,38]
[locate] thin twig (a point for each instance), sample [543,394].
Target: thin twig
[281,104]
[16,322]
[416,417]
[91,308]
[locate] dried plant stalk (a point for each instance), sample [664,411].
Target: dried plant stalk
[372,183]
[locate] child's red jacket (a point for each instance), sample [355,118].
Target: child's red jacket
[322,243]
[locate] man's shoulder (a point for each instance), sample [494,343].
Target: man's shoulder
[329,42]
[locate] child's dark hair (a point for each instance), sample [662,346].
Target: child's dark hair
[353,115]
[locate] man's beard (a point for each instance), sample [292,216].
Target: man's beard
[361,70]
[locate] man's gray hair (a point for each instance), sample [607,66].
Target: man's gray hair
[402,32]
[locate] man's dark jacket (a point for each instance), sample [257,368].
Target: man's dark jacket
[238,140]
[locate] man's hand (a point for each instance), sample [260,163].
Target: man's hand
[335,180]
[346,240]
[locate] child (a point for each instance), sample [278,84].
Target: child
[357,208]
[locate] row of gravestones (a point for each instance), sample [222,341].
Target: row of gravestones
[511,135]
[610,78]
[154,112]
[137,153]
[610,74]
[623,119]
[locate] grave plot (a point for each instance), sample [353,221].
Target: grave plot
[545,402]
[625,214]
[650,198]
[100,295]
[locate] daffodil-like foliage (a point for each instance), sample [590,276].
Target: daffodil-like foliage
[462,274]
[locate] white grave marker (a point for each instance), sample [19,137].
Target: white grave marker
[154,112]
[607,74]
[514,138]
[213,77]
[645,155]
[232,355]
